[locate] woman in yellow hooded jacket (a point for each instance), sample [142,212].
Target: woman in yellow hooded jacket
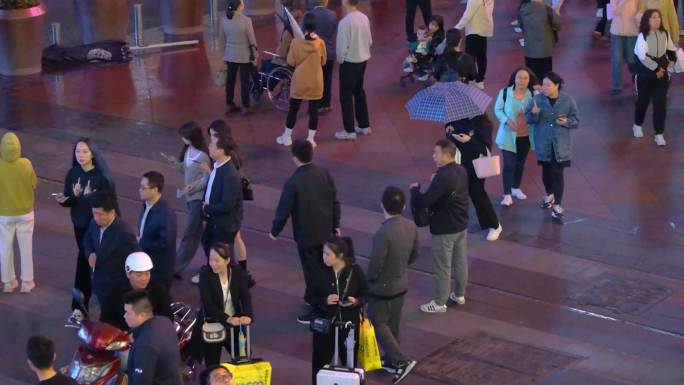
[17,182]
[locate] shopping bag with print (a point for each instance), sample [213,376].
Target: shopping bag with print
[368,356]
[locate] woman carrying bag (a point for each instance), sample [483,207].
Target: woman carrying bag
[552,114]
[226,300]
[340,295]
[513,136]
[240,53]
[473,137]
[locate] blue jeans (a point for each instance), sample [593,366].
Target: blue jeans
[621,50]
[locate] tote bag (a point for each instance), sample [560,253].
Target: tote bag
[486,166]
[368,355]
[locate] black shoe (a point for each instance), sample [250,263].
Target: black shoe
[305,319]
[388,367]
[403,370]
[177,276]
[250,282]
[547,204]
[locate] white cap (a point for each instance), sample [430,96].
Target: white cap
[138,261]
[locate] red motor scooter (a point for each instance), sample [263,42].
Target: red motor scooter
[101,357]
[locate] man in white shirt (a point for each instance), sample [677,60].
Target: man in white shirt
[353,52]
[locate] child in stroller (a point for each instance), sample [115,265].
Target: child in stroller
[424,51]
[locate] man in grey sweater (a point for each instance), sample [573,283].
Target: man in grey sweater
[353,52]
[395,246]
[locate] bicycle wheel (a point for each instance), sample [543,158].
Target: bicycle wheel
[278,82]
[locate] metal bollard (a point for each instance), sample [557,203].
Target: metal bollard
[138,26]
[213,12]
[56,33]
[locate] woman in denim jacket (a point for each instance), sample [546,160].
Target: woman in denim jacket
[552,114]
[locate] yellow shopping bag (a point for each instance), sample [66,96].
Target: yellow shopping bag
[257,373]
[369,354]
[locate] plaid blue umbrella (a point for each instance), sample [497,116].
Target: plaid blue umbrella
[447,102]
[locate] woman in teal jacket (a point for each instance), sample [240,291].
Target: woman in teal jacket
[513,136]
[553,114]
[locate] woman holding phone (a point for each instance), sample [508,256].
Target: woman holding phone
[88,174]
[193,156]
[552,114]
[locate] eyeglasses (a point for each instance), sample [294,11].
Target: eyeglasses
[221,378]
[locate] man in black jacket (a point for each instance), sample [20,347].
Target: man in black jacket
[138,270]
[107,243]
[223,197]
[447,202]
[157,228]
[154,358]
[310,197]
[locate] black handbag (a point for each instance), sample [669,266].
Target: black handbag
[247,193]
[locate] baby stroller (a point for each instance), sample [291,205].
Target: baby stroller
[418,65]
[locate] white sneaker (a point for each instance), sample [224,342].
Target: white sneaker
[521,41]
[493,234]
[432,307]
[518,194]
[514,23]
[638,132]
[507,201]
[363,131]
[660,140]
[313,142]
[517,30]
[284,140]
[460,301]
[195,279]
[344,135]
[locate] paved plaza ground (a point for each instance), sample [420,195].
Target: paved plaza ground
[597,301]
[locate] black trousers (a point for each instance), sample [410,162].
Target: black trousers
[554,181]
[231,74]
[514,164]
[601,25]
[352,95]
[83,279]
[540,66]
[327,83]
[294,108]
[311,258]
[425,9]
[478,195]
[476,46]
[324,348]
[213,233]
[650,88]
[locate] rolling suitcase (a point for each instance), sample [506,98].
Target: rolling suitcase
[244,368]
[336,374]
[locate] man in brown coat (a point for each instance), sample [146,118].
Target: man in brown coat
[307,56]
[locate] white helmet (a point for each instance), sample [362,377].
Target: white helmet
[138,261]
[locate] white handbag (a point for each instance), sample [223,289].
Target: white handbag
[486,166]
[679,64]
[220,78]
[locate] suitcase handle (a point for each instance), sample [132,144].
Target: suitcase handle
[248,343]
[336,355]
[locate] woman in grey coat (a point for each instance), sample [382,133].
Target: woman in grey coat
[240,53]
[540,24]
[194,155]
[552,114]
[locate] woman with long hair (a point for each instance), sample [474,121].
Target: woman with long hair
[240,53]
[452,64]
[657,54]
[194,155]
[473,137]
[89,173]
[340,296]
[513,136]
[553,113]
[225,297]
[218,129]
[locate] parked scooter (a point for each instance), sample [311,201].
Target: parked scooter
[101,357]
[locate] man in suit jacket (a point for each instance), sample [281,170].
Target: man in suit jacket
[310,197]
[395,246]
[107,243]
[223,198]
[157,228]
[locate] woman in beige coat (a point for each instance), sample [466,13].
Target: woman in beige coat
[307,56]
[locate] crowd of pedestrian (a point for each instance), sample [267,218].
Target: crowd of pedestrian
[131,270]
